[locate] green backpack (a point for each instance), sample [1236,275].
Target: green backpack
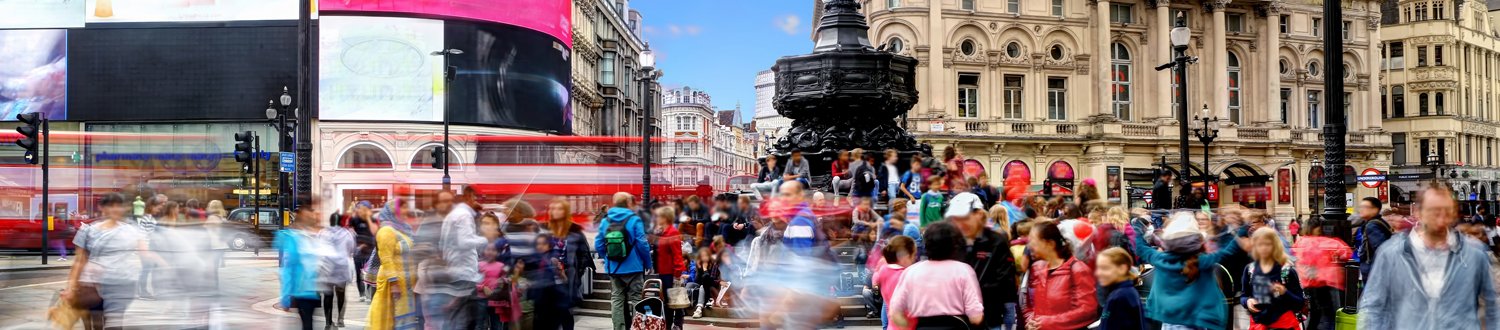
[617,244]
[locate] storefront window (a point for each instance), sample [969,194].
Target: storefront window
[365,157]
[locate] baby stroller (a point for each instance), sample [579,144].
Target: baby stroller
[648,313]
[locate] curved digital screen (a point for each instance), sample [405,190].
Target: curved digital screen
[509,76]
[552,17]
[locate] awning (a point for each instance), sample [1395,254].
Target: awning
[1240,173]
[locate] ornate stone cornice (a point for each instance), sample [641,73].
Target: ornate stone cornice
[1152,4]
[1271,9]
[1215,5]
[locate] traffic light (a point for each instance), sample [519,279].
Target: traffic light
[31,125]
[439,157]
[242,150]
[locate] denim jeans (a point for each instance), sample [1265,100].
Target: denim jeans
[1010,317]
[891,191]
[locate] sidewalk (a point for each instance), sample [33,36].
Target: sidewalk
[21,263]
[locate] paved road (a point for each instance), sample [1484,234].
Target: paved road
[248,290]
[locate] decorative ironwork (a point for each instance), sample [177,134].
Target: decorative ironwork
[845,94]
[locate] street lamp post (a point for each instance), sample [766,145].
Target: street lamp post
[649,74]
[1206,133]
[278,113]
[1180,36]
[448,72]
[1335,218]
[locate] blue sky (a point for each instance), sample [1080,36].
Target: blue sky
[718,45]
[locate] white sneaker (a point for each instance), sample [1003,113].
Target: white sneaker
[698,313]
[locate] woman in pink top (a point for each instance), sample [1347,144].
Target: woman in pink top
[942,292]
[901,252]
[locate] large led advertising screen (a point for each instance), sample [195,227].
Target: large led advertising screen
[510,77]
[179,73]
[552,17]
[379,68]
[34,73]
[40,14]
[113,11]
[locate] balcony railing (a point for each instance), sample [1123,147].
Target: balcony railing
[1003,129]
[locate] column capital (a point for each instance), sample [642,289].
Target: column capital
[1215,5]
[1153,4]
[1271,8]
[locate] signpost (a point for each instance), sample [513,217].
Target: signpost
[1370,178]
[288,162]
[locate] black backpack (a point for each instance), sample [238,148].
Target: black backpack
[1367,251]
[864,178]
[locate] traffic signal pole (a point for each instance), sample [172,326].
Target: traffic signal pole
[46,207]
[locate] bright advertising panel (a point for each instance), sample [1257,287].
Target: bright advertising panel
[552,17]
[33,73]
[510,77]
[380,68]
[119,11]
[41,14]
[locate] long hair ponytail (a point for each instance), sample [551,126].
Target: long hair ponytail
[1190,268]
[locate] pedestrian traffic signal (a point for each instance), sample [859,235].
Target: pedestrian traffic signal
[439,157]
[30,126]
[242,150]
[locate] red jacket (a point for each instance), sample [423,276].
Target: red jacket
[1062,298]
[669,252]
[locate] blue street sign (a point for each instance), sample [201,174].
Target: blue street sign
[288,162]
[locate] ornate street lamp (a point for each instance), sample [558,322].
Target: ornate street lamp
[1180,36]
[647,75]
[1206,133]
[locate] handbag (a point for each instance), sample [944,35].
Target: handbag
[86,296]
[677,298]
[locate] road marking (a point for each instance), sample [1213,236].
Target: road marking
[33,285]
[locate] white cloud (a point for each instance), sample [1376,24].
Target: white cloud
[791,24]
[681,30]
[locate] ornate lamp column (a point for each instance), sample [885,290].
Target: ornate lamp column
[1334,204]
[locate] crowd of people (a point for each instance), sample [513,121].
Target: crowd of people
[928,248]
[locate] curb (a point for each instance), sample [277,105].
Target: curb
[38,267]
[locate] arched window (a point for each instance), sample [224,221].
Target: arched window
[966,47]
[1057,52]
[1422,104]
[423,159]
[1120,76]
[1385,110]
[1283,65]
[1438,103]
[1313,68]
[896,45]
[365,156]
[1234,89]
[1013,49]
[1398,102]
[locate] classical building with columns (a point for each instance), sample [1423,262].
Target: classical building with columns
[1438,93]
[1067,89]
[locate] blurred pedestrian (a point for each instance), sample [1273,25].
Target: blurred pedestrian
[1272,291]
[498,286]
[1062,287]
[394,305]
[1320,261]
[669,258]
[1184,292]
[1433,276]
[303,255]
[546,287]
[106,267]
[572,248]
[147,224]
[362,223]
[941,292]
[898,254]
[1121,308]
[336,271]
[520,230]
[626,253]
[988,254]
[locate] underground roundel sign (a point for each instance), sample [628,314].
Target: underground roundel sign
[1371,178]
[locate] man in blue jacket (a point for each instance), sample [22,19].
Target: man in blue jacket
[1433,277]
[627,273]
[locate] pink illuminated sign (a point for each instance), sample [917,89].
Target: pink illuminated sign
[552,17]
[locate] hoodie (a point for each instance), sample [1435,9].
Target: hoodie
[1174,299]
[640,252]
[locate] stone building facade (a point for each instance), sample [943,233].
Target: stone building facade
[1066,89]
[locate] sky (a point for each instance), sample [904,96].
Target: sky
[719,45]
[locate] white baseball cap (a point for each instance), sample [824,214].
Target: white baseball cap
[962,204]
